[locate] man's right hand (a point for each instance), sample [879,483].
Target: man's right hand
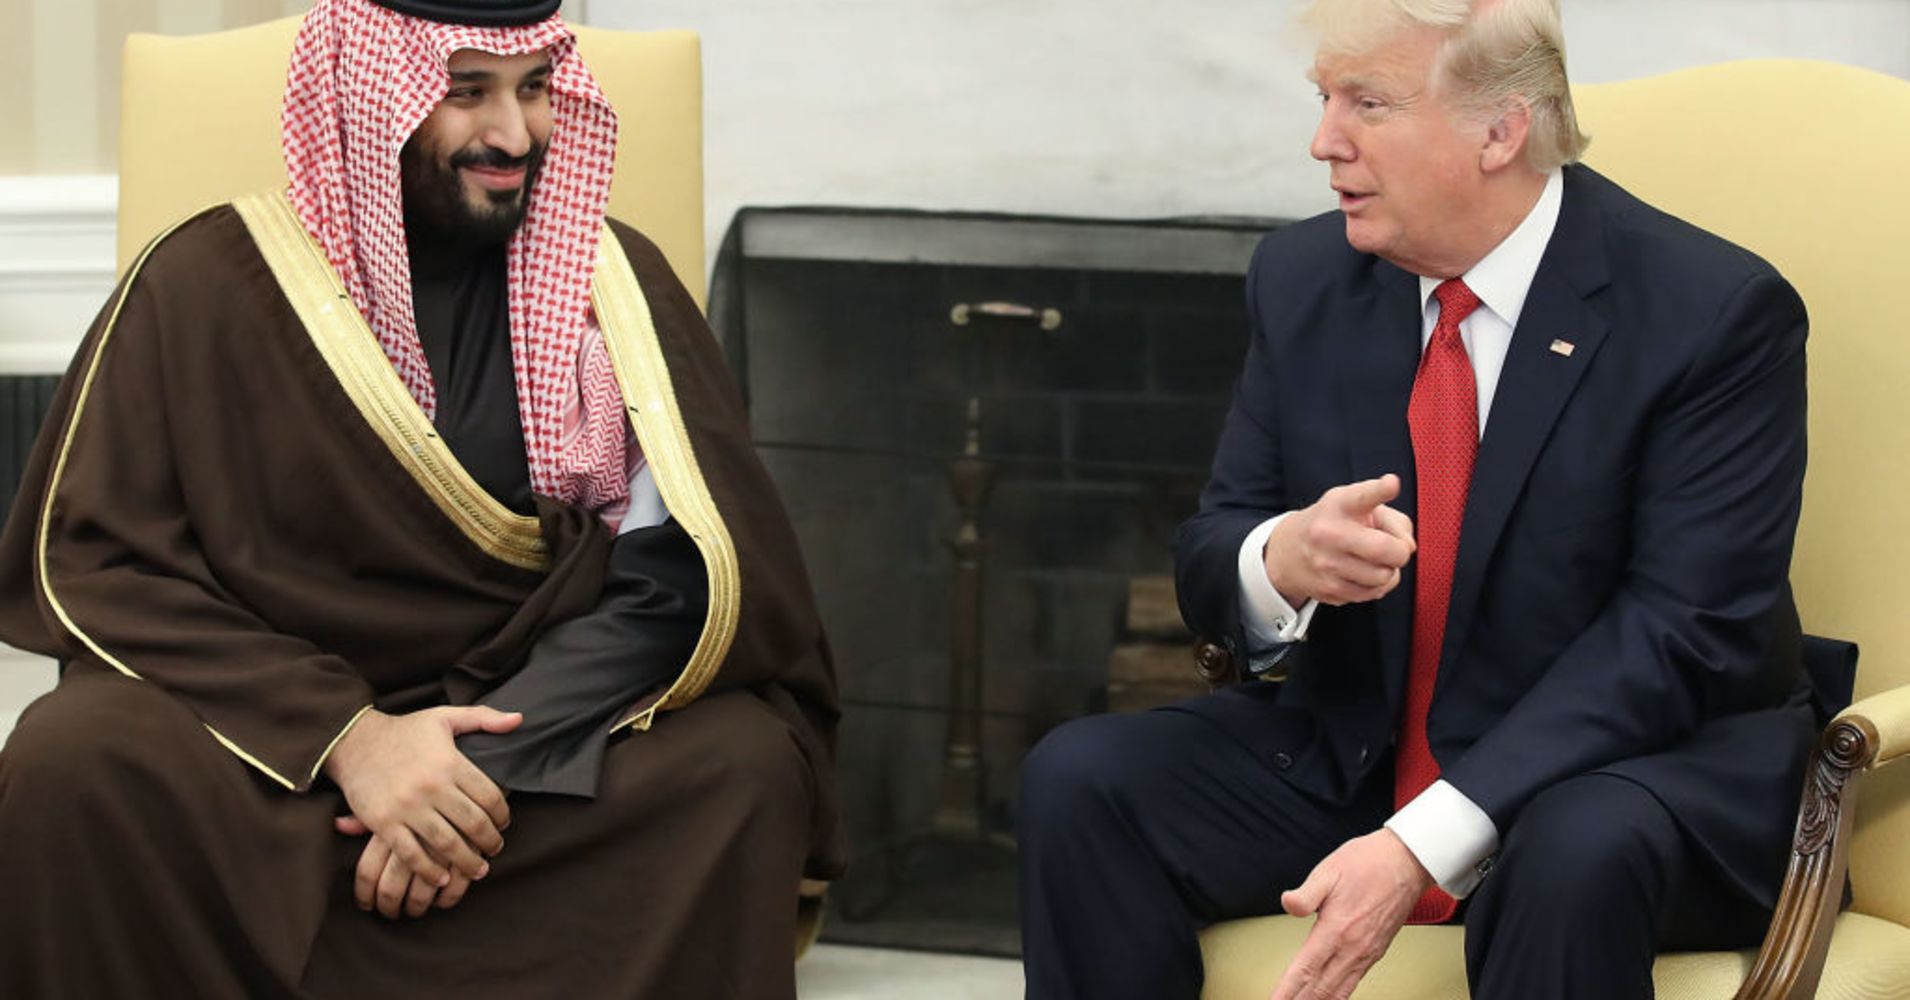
[405,780]
[1347,548]
[382,882]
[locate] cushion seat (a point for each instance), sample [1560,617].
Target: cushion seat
[1869,960]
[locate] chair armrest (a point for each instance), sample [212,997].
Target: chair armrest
[1885,718]
[1216,666]
[1868,734]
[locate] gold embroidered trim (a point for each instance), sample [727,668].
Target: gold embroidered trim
[650,399]
[53,488]
[351,350]
[333,745]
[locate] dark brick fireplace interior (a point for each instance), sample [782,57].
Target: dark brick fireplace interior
[1099,432]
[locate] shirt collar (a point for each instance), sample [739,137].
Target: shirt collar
[1503,278]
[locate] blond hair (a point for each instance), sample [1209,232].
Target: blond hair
[1496,52]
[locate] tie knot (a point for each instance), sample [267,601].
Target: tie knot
[1456,301]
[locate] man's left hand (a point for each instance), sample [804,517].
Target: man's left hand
[384,883]
[1361,894]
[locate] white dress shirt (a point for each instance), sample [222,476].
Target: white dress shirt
[1449,834]
[646,508]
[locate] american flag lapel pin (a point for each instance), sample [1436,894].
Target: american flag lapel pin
[1562,348]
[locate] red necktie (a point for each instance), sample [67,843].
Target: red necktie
[1444,417]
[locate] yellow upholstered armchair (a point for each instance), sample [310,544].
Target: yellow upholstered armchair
[1805,164]
[200,125]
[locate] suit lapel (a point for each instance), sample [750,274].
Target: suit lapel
[1533,388]
[1377,357]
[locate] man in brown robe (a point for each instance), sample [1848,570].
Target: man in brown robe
[369,503]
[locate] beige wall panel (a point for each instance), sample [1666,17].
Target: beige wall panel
[117,19]
[16,116]
[239,13]
[65,86]
[189,17]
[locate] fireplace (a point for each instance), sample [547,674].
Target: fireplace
[1081,367]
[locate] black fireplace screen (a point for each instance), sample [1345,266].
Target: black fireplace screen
[986,429]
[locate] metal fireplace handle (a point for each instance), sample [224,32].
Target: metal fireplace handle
[965,313]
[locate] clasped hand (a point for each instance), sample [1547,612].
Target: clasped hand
[433,817]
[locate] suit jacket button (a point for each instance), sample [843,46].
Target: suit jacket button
[1363,755]
[1282,761]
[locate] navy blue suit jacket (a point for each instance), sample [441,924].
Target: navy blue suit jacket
[1620,599]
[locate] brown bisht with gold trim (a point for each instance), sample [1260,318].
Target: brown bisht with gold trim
[240,531]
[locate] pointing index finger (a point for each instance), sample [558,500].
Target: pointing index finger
[1360,498]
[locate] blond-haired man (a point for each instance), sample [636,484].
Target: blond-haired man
[1508,490]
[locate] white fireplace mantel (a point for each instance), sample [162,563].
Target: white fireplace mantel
[56,266]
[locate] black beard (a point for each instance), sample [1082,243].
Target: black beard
[434,194]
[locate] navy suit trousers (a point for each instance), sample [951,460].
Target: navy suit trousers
[1139,830]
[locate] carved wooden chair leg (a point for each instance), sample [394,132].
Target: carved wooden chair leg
[812,899]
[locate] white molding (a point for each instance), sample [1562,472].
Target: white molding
[24,676]
[57,264]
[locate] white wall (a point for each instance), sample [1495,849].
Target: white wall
[1109,107]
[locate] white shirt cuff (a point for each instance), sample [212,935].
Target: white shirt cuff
[1451,836]
[1267,617]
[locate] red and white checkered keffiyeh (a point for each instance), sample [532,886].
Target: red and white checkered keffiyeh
[362,79]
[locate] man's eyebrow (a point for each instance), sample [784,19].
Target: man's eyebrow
[1351,81]
[485,75]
